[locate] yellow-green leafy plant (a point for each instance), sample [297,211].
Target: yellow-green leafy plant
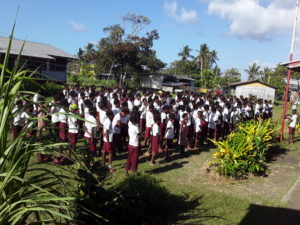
[244,151]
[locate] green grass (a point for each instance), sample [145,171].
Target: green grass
[218,200]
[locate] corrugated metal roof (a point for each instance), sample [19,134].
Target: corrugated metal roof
[33,49]
[249,82]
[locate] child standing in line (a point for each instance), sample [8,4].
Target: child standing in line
[133,144]
[212,124]
[183,133]
[17,122]
[198,124]
[155,138]
[169,135]
[293,121]
[63,121]
[73,127]
[90,130]
[108,139]
[149,123]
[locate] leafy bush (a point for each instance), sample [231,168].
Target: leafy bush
[87,81]
[244,151]
[51,88]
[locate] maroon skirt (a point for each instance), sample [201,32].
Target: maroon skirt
[155,144]
[72,138]
[63,131]
[92,144]
[133,158]
[16,131]
[107,147]
[147,132]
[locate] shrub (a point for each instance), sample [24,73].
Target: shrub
[87,81]
[51,88]
[244,151]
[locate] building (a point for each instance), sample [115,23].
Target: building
[167,82]
[253,88]
[50,61]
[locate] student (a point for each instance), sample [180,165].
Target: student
[149,123]
[73,127]
[133,144]
[234,118]
[169,135]
[41,114]
[143,111]
[117,129]
[183,133]
[107,139]
[198,124]
[293,121]
[63,121]
[26,116]
[212,124]
[54,110]
[17,122]
[155,138]
[90,130]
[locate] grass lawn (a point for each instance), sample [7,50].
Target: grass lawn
[212,199]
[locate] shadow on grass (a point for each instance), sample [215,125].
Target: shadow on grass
[263,215]
[275,152]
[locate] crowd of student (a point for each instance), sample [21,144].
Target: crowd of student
[109,119]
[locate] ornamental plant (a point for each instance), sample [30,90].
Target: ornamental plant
[244,151]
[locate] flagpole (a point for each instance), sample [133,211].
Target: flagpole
[289,74]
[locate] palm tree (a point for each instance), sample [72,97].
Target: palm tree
[185,53]
[80,53]
[253,71]
[213,57]
[266,74]
[204,56]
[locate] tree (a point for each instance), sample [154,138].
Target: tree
[185,53]
[230,76]
[266,75]
[253,71]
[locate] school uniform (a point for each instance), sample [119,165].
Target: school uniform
[183,133]
[198,127]
[211,125]
[133,147]
[107,129]
[149,123]
[62,125]
[155,138]
[55,119]
[143,111]
[169,135]
[73,129]
[17,122]
[90,135]
[293,123]
[116,131]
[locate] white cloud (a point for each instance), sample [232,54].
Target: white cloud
[180,14]
[255,19]
[78,27]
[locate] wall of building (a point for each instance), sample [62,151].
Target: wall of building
[152,81]
[52,75]
[259,91]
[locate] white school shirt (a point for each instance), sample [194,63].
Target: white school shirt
[293,121]
[116,129]
[197,124]
[143,110]
[226,115]
[90,124]
[66,93]
[217,118]
[62,117]
[206,116]
[54,114]
[35,100]
[170,130]
[130,105]
[149,119]
[133,133]
[155,130]
[98,101]
[81,106]
[107,128]
[234,117]
[211,121]
[163,116]
[248,111]
[25,117]
[72,124]
[103,116]
[137,102]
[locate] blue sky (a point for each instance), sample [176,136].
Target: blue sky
[241,31]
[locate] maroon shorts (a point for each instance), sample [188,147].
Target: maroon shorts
[133,158]
[16,131]
[147,132]
[107,147]
[63,131]
[169,143]
[198,135]
[291,130]
[155,144]
[142,123]
[92,144]
[72,138]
